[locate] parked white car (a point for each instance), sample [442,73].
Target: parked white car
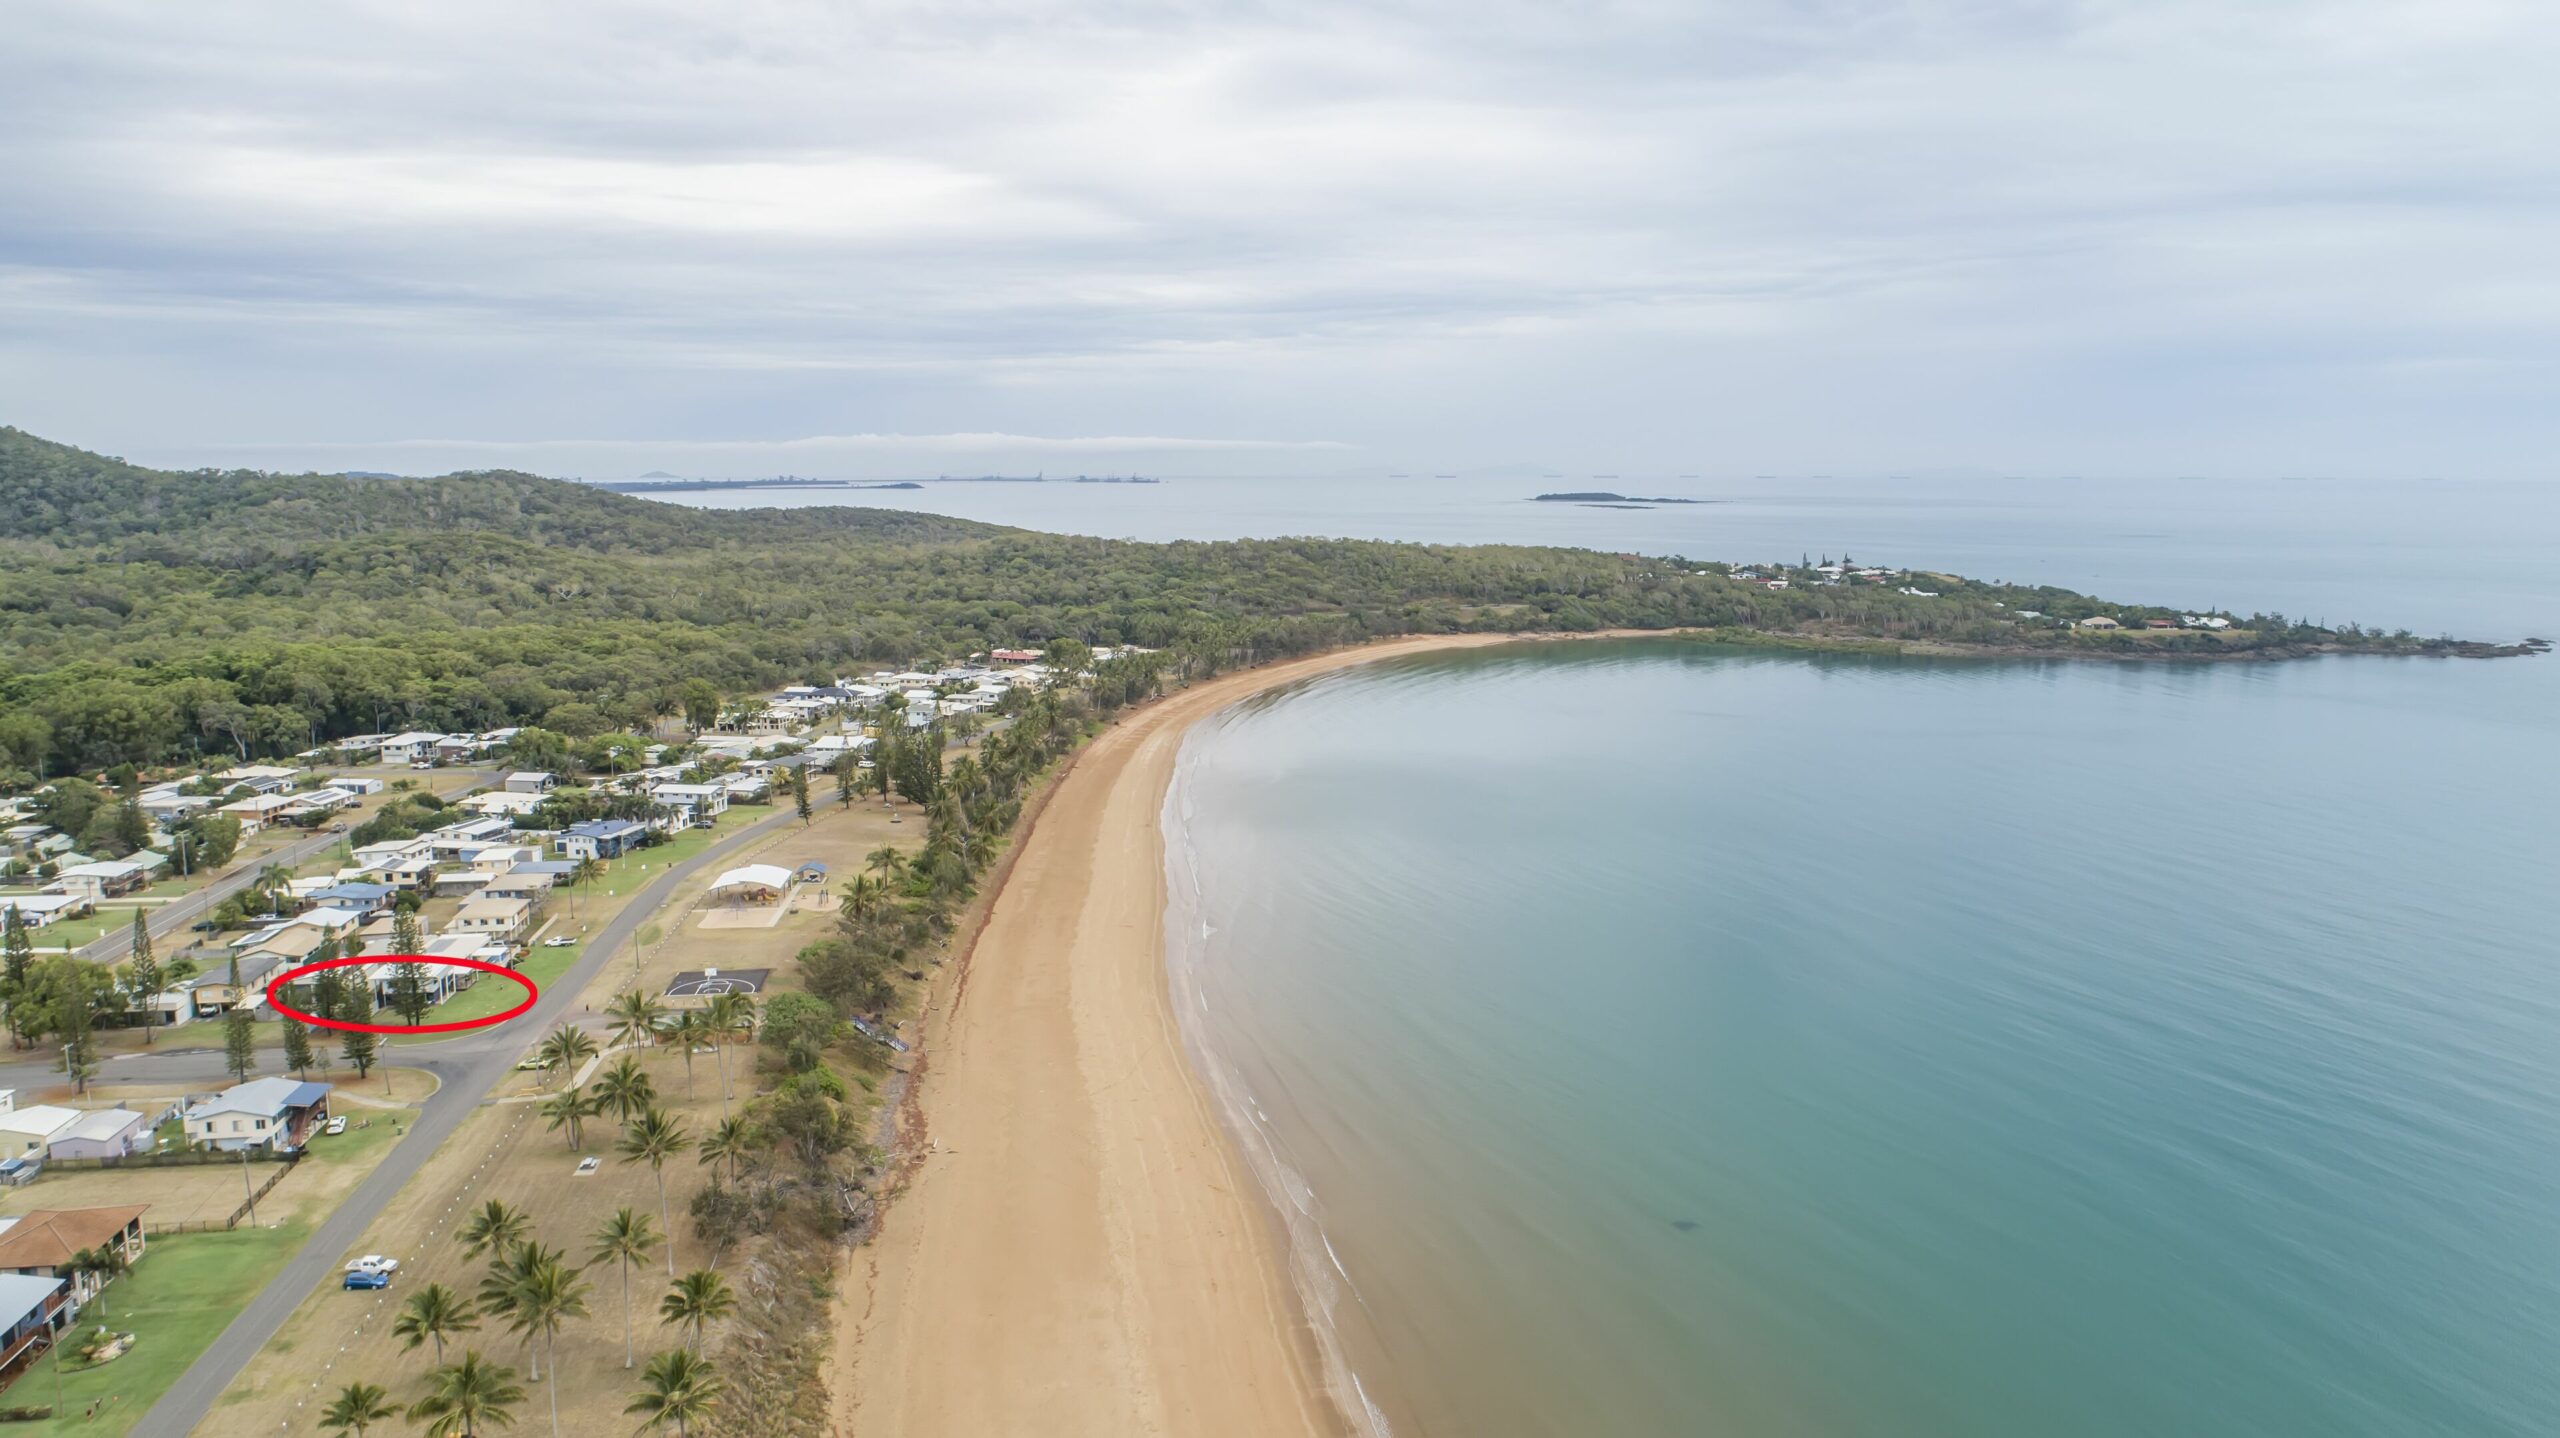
[373,1263]
[558,941]
[335,1126]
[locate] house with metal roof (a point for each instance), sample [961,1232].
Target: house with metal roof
[270,1113]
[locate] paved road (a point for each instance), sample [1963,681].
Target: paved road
[469,1068]
[173,916]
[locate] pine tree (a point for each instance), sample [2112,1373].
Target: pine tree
[16,973]
[409,996]
[800,791]
[75,1016]
[297,1047]
[239,1042]
[844,769]
[353,1045]
[142,976]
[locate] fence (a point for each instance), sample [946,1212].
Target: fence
[273,1179]
[176,1157]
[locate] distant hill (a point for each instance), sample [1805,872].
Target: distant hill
[148,615]
[60,494]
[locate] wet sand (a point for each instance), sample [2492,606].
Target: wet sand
[1078,1250]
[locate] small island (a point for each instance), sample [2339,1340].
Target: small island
[1606,499]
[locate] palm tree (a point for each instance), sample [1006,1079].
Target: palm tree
[105,1261]
[564,1048]
[495,1226]
[624,1089]
[466,1395]
[358,1407]
[690,1029]
[728,1014]
[635,1018]
[653,1139]
[861,896]
[550,1294]
[624,1239]
[570,1108]
[732,1140]
[434,1314]
[886,861]
[502,1289]
[700,1297]
[272,879]
[682,1389]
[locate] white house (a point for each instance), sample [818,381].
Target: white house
[101,879]
[259,810]
[413,747]
[694,802]
[530,781]
[275,1113]
[34,1128]
[102,1133]
[497,917]
[255,779]
[500,803]
[37,910]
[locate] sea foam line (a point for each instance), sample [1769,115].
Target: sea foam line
[1187,933]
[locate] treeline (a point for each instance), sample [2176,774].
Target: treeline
[147,616]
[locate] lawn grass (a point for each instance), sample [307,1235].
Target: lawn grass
[623,876]
[489,993]
[186,1289]
[79,933]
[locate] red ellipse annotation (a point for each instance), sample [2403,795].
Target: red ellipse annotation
[276,1002]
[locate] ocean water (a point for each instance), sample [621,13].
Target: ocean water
[1649,1039]
[1654,1039]
[2472,557]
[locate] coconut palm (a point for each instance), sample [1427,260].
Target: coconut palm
[358,1407]
[624,1089]
[550,1294]
[700,1297]
[624,1239]
[467,1396]
[570,1108]
[728,1015]
[495,1227]
[433,1314]
[502,1289]
[104,1262]
[681,1391]
[564,1048]
[635,1018]
[690,1030]
[653,1138]
[886,861]
[731,1140]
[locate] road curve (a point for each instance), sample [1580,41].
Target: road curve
[468,1076]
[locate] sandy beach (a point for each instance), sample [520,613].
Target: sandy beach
[1078,1250]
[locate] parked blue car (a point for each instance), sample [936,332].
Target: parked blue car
[367,1280]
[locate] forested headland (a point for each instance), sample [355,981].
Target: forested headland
[147,615]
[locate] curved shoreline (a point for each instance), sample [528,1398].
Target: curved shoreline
[1077,1247]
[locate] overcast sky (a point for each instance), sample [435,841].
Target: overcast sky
[1730,236]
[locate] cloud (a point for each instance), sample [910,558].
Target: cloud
[1729,234]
